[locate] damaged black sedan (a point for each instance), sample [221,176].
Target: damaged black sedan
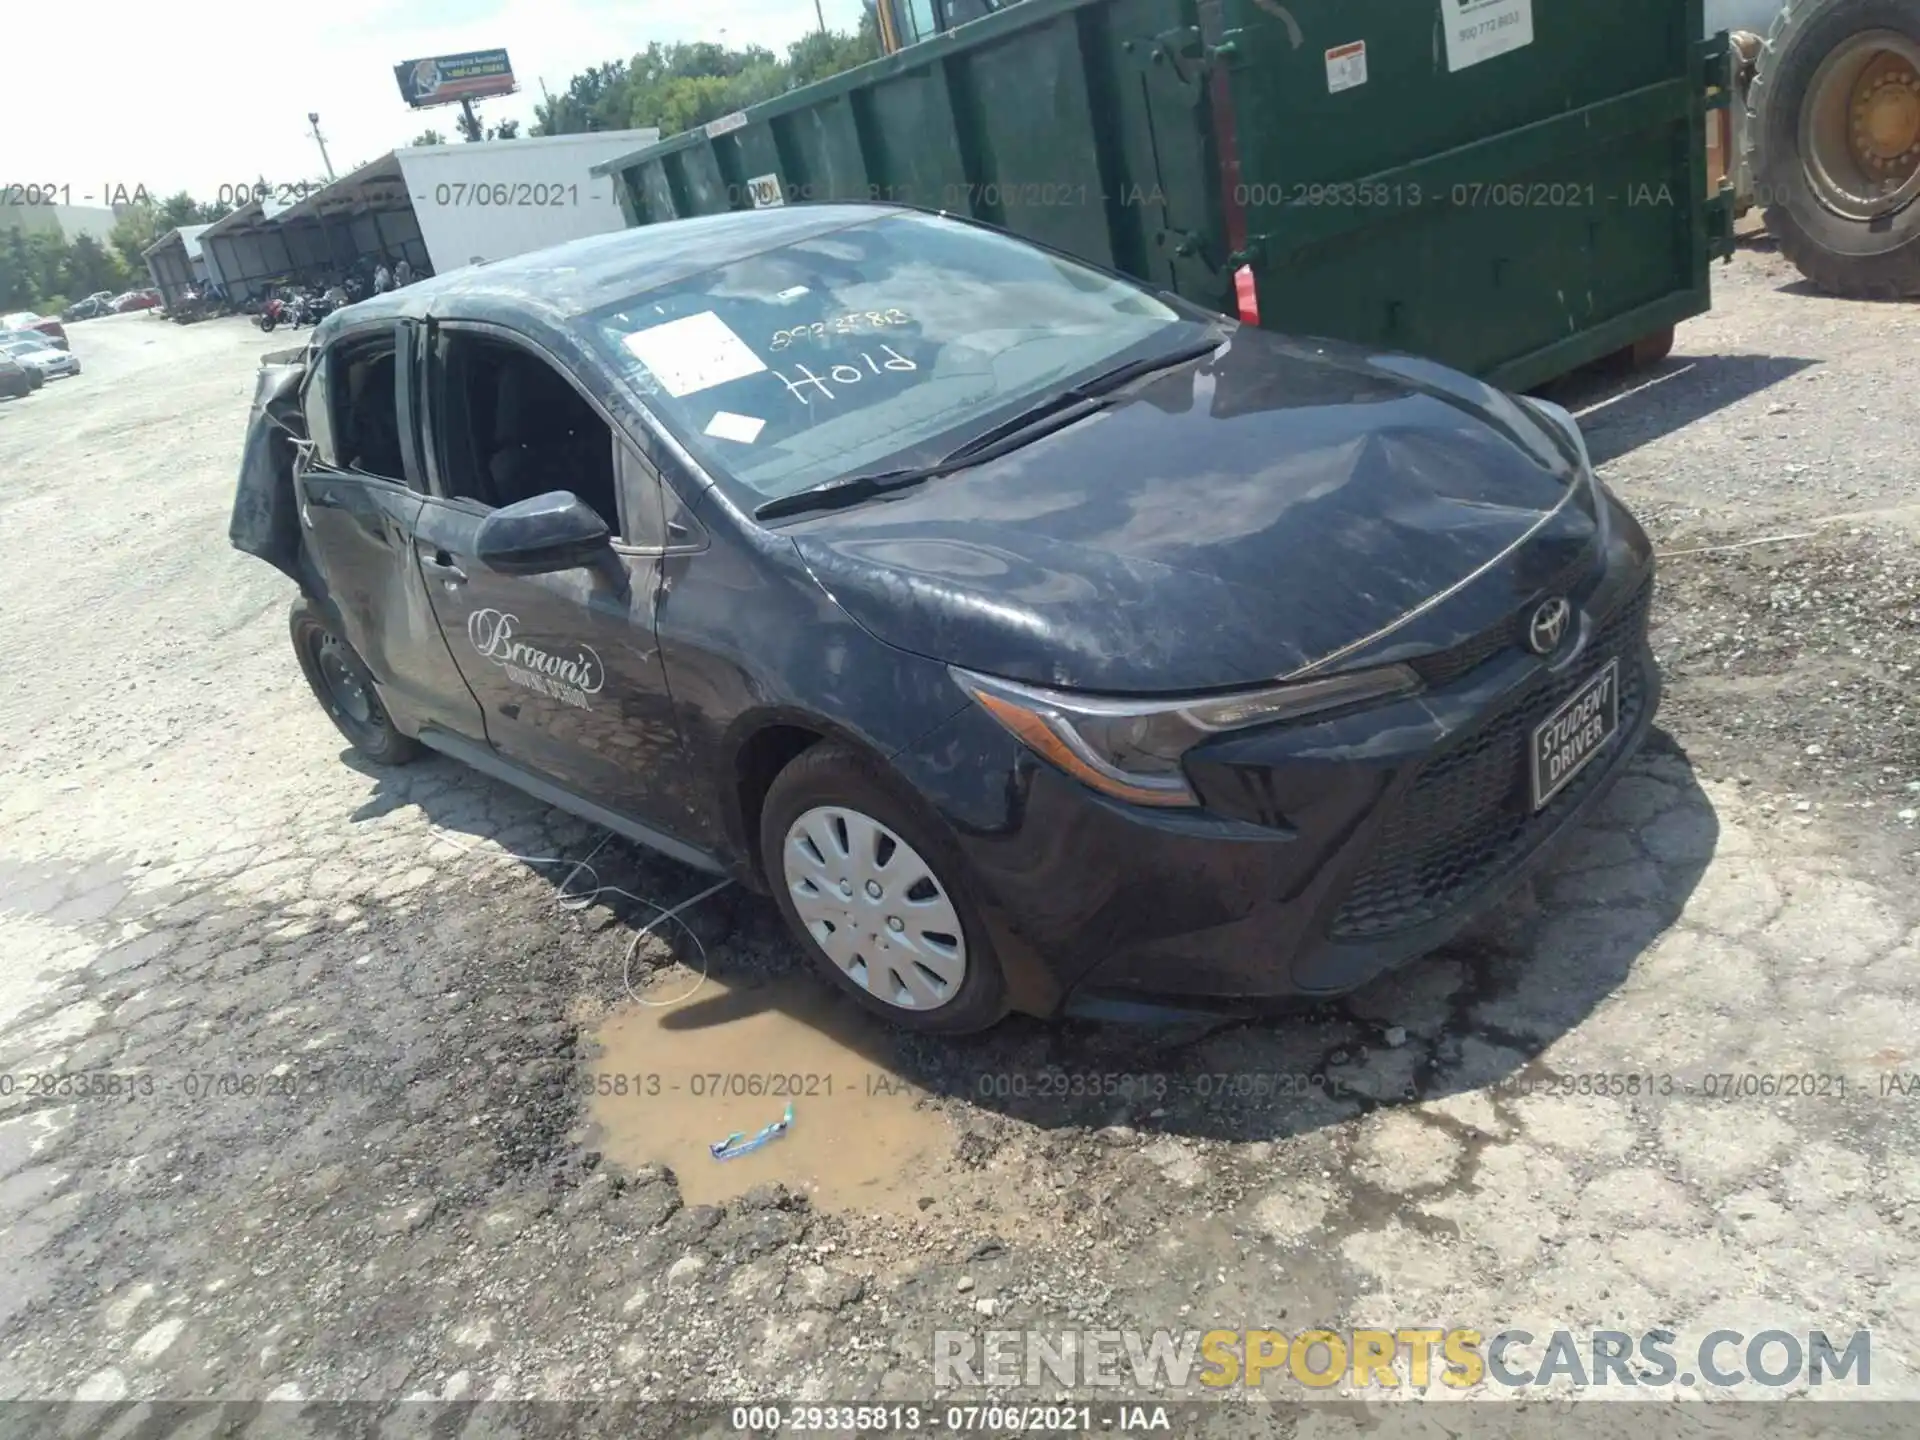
[1037,640]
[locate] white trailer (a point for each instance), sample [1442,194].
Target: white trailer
[492,199]
[438,206]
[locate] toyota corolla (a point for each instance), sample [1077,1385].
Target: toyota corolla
[1036,640]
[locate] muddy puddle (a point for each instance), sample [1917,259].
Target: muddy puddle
[673,1079]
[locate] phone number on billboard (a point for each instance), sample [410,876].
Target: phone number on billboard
[505,195]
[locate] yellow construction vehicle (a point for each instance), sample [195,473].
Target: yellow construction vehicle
[903,22]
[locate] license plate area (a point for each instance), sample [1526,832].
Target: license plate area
[1578,730]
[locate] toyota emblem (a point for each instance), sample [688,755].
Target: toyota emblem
[1549,625]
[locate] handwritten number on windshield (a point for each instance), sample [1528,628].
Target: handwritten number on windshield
[847,324]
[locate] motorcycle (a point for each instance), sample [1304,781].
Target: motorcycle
[275,312]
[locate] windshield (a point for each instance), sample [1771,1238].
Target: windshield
[13,345]
[869,344]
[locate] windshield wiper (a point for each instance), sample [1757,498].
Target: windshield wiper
[1108,381]
[1057,411]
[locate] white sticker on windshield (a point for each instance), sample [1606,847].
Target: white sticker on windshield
[725,425]
[694,354]
[1481,29]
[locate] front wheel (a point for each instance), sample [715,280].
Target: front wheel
[876,893]
[345,690]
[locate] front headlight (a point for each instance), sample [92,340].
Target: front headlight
[1131,749]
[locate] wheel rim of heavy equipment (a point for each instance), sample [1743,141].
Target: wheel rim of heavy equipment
[875,907]
[1860,125]
[343,686]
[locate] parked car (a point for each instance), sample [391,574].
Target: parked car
[16,379]
[136,300]
[54,331]
[1038,639]
[30,348]
[90,307]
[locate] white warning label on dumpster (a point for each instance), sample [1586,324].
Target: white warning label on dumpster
[1346,67]
[1481,29]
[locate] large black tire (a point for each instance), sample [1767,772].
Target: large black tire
[833,774]
[1875,259]
[344,688]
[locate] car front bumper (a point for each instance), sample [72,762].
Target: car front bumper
[1324,853]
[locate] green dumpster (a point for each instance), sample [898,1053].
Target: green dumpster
[1514,188]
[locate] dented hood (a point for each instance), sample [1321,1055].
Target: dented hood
[1224,523]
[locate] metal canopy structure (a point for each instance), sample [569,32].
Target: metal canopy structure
[438,206]
[359,218]
[176,261]
[367,215]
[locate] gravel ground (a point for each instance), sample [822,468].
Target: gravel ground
[366,1169]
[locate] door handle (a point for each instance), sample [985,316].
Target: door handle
[441,563]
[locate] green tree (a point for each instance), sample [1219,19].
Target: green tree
[505,130]
[89,266]
[678,86]
[429,136]
[39,270]
[595,99]
[137,227]
[825,53]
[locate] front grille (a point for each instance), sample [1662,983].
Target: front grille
[1443,667]
[1469,814]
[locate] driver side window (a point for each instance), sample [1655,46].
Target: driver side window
[352,408]
[512,427]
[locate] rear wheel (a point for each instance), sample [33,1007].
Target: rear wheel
[876,894]
[344,688]
[1835,102]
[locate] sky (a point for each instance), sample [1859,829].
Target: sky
[219,94]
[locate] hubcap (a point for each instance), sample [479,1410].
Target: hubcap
[1860,127]
[875,907]
[343,688]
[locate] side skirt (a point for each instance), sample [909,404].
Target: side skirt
[489,763]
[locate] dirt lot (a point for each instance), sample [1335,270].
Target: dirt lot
[370,1157]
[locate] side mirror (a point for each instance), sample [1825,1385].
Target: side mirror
[555,531]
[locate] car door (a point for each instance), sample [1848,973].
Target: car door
[566,666]
[361,486]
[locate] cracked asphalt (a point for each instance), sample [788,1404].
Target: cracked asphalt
[292,1052]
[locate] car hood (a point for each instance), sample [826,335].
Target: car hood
[43,359]
[1224,523]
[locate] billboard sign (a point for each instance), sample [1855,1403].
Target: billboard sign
[447,79]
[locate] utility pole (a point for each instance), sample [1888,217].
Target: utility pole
[820,15]
[313,119]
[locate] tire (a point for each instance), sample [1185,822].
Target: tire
[835,779]
[332,670]
[1651,349]
[1860,256]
